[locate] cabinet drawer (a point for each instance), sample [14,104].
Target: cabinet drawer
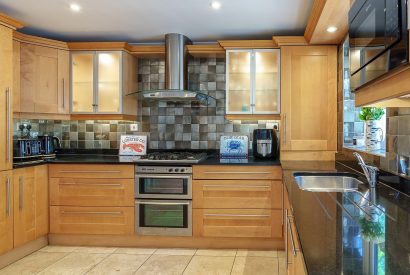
[91,192]
[92,171]
[92,220]
[237,194]
[248,223]
[237,172]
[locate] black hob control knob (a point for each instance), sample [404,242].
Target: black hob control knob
[182,170]
[176,169]
[170,170]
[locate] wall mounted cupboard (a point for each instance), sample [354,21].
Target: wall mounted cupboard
[253,81]
[102,81]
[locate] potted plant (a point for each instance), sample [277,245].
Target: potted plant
[373,133]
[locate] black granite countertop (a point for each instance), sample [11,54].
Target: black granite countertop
[111,157]
[333,230]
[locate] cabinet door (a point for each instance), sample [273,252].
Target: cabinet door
[238,82]
[309,98]
[109,82]
[6,211]
[39,81]
[24,206]
[266,86]
[63,79]
[41,200]
[82,85]
[16,76]
[6,82]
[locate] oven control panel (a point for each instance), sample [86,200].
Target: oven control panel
[164,169]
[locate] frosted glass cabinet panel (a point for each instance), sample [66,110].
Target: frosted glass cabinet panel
[253,85]
[82,66]
[109,82]
[97,82]
[239,81]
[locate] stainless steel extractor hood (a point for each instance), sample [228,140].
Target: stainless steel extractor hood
[176,74]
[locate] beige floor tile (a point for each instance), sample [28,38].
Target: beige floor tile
[96,249]
[255,265]
[256,253]
[209,265]
[74,263]
[136,251]
[58,248]
[164,265]
[119,264]
[33,263]
[281,254]
[282,266]
[175,251]
[216,252]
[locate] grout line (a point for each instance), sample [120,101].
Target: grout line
[189,262]
[233,263]
[91,268]
[144,262]
[68,253]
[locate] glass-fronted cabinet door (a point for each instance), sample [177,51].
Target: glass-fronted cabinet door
[238,82]
[82,70]
[266,96]
[109,82]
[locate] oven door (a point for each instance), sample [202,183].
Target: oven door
[163,217]
[163,186]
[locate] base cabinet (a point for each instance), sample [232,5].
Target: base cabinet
[6,211]
[30,186]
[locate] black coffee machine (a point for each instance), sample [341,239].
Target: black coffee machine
[265,144]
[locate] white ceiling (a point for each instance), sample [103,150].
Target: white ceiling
[148,20]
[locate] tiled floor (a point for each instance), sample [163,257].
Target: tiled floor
[107,260]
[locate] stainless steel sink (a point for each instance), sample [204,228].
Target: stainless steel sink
[327,182]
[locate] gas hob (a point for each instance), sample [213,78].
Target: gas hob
[172,157]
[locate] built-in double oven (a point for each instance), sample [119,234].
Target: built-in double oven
[163,200]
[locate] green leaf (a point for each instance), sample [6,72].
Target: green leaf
[371,113]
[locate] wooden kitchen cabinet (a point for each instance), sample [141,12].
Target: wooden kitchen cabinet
[309,100]
[240,223]
[6,103]
[6,211]
[30,204]
[91,192]
[44,79]
[257,194]
[102,82]
[92,220]
[237,172]
[91,171]
[252,81]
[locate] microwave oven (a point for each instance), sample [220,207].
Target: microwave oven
[378,39]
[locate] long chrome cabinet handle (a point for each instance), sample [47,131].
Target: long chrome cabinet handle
[235,172]
[235,186]
[63,93]
[237,215]
[91,212]
[8,131]
[8,191]
[162,203]
[21,193]
[93,184]
[82,172]
[292,240]
[286,240]
[285,135]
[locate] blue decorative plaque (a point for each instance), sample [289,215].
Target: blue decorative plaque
[234,147]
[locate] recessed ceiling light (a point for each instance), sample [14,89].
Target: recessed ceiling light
[216,5]
[331,29]
[75,7]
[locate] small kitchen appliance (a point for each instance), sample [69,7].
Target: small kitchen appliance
[265,144]
[49,144]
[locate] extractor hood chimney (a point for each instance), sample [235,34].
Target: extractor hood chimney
[176,74]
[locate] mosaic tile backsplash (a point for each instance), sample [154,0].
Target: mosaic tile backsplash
[81,134]
[189,125]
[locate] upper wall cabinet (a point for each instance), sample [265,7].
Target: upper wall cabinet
[44,79]
[101,82]
[309,102]
[252,82]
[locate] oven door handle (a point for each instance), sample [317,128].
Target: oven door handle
[163,176]
[162,203]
